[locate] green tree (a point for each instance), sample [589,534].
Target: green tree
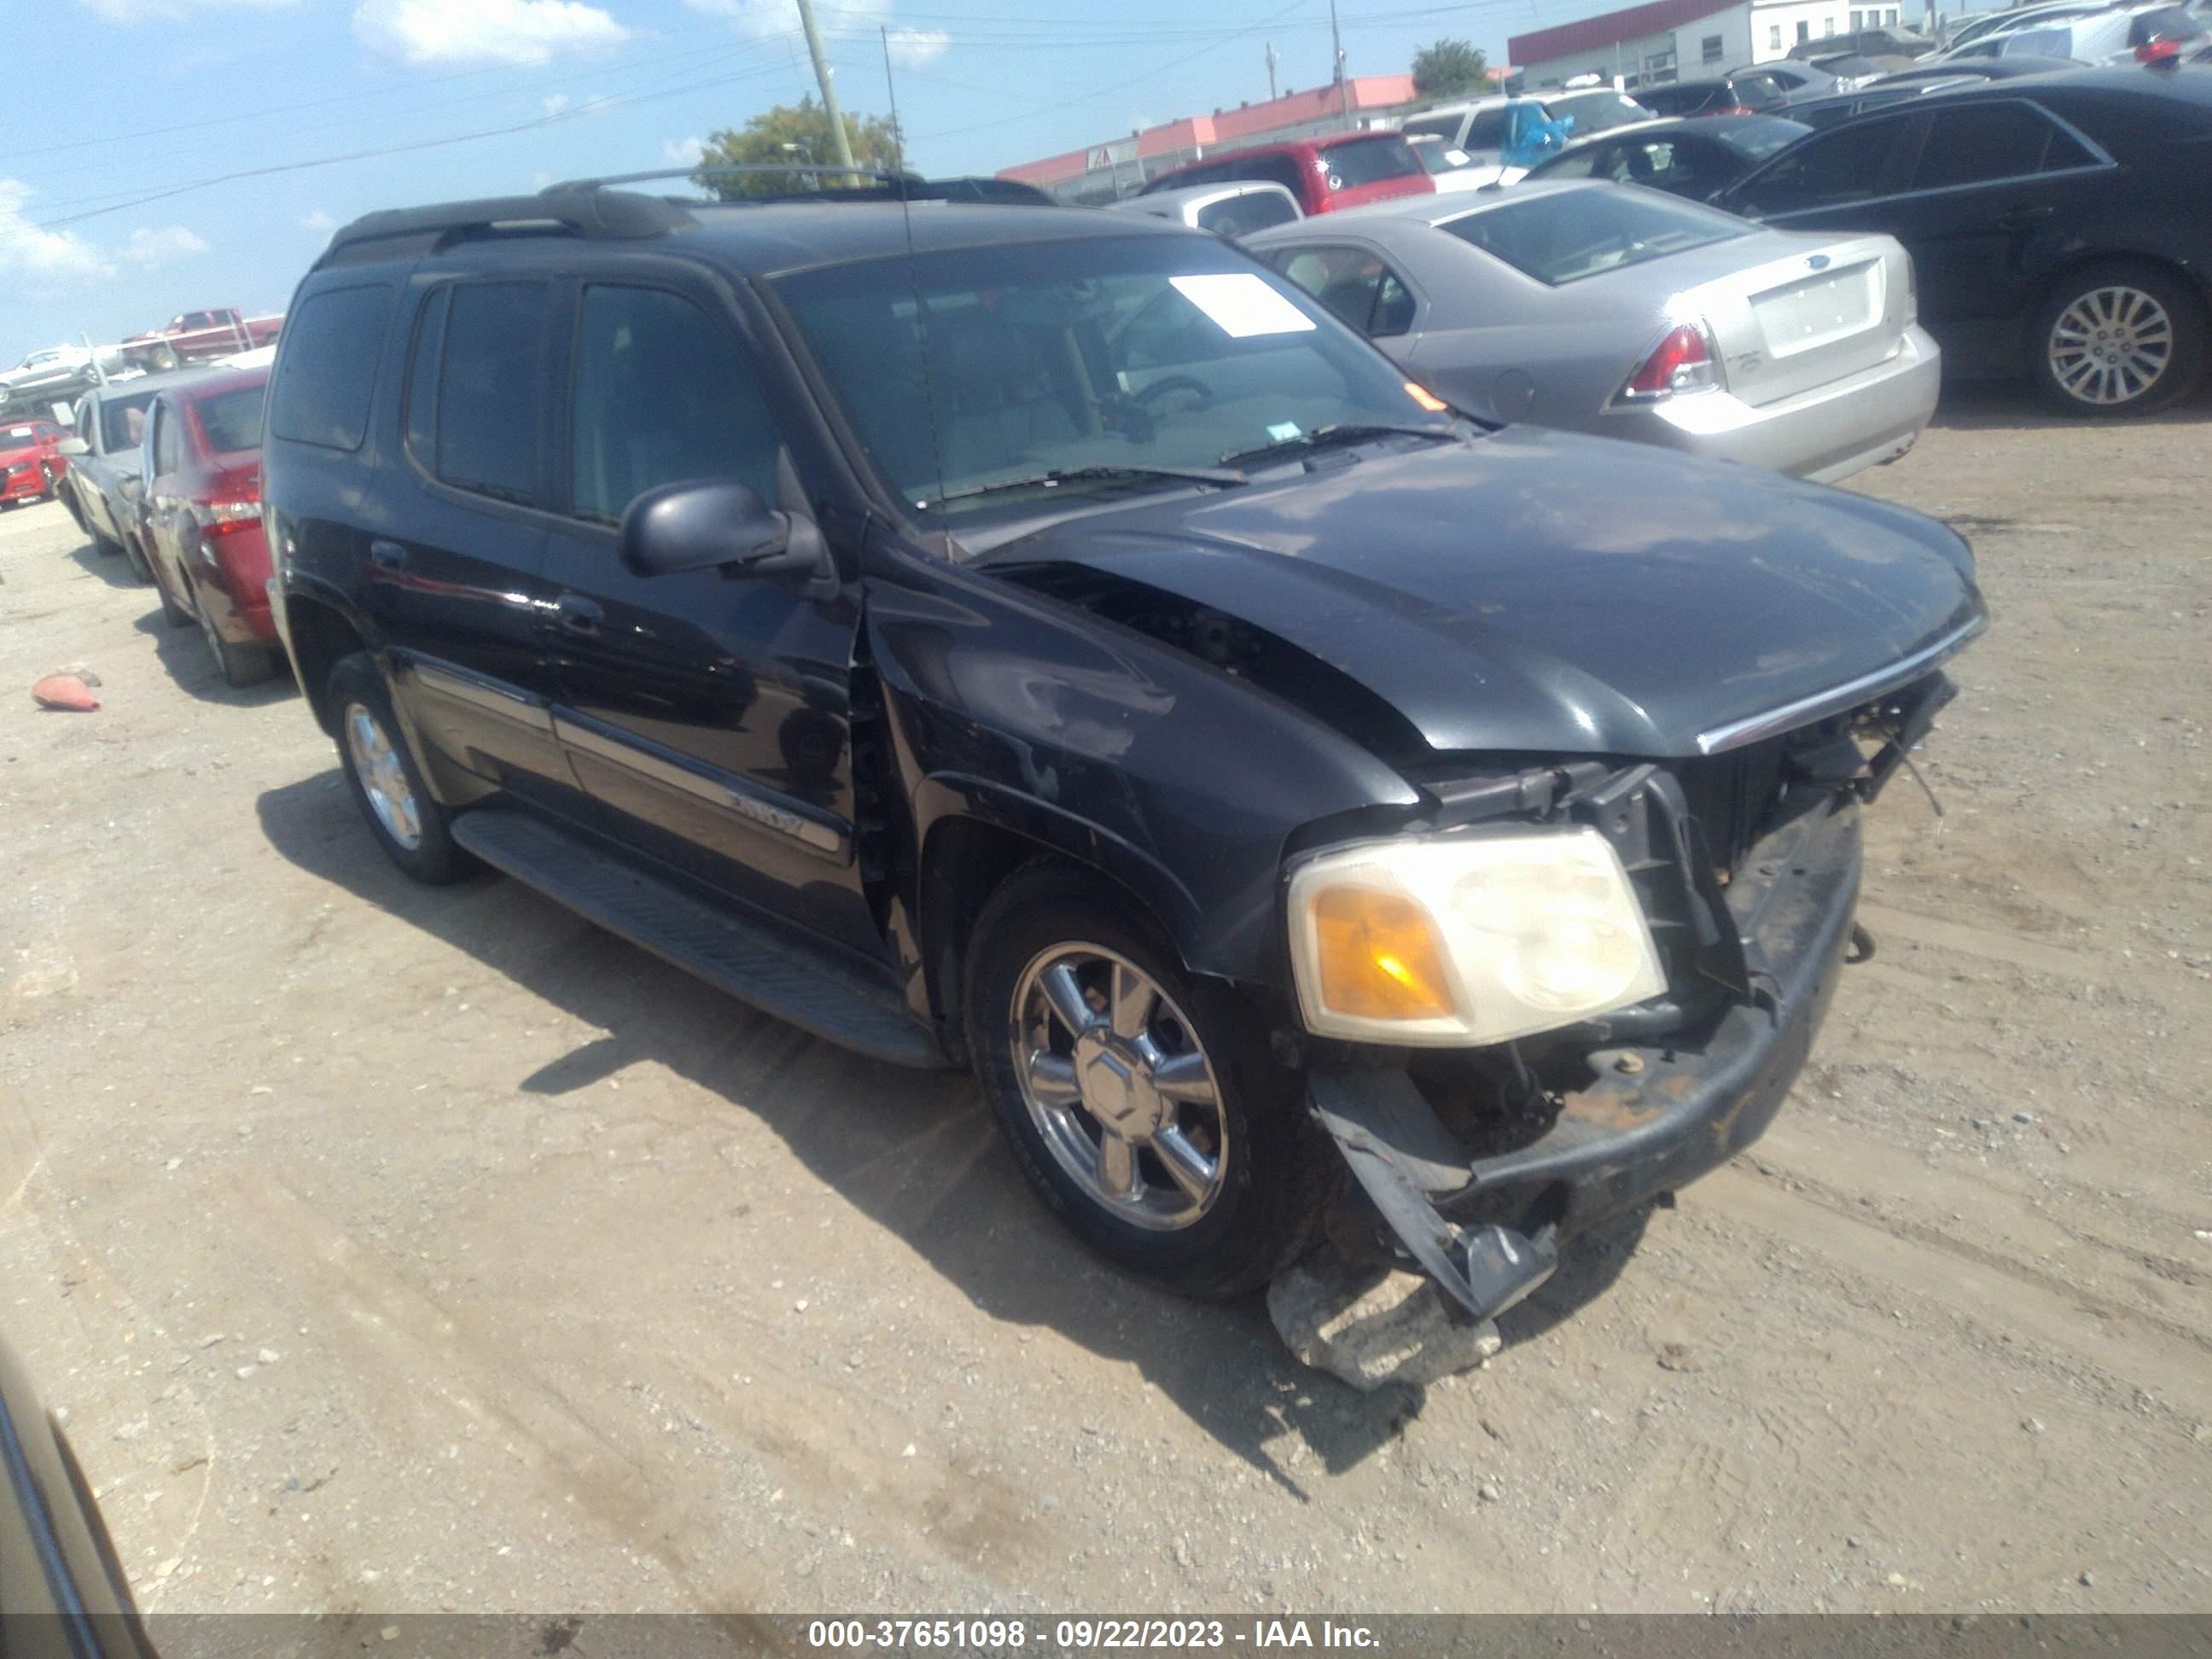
[796,133]
[1450,69]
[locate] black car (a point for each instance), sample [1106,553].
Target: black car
[1699,157]
[1834,112]
[62,1591]
[1051,644]
[2057,225]
[1741,92]
[2010,67]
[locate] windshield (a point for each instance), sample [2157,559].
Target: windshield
[1583,231]
[1439,157]
[231,420]
[1594,112]
[1137,352]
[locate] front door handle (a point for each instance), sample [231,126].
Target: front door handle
[580,615]
[386,554]
[2023,217]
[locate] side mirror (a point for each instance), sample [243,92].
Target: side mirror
[717,522]
[74,446]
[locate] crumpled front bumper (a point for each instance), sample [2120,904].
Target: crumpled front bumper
[1650,1117]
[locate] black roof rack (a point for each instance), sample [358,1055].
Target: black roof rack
[581,209]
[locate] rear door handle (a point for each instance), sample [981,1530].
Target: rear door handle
[386,554]
[2022,218]
[580,615]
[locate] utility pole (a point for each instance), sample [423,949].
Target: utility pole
[1271,71]
[829,94]
[1343,92]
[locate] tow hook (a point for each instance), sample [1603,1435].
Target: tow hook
[1862,944]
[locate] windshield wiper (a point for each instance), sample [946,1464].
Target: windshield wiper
[1337,432]
[1110,472]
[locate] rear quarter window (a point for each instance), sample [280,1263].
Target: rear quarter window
[327,372]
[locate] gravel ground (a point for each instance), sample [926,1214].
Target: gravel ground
[394,1251]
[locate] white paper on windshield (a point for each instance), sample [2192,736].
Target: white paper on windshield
[1240,305]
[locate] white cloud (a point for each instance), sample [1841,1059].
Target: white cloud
[35,255]
[683,152]
[912,48]
[482,31]
[319,221]
[144,11]
[164,246]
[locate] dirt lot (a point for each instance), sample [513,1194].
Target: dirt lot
[403,1250]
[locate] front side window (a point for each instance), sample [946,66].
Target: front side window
[971,368]
[662,395]
[1356,285]
[1855,163]
[122,422]
[491,377]
[1575,235]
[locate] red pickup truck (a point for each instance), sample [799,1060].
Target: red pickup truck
[196,335]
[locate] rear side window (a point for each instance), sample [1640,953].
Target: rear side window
[1855,164]
[1978,144]
[323,387]
[491,389]
[1487,130]
[1356,285]
[422,380]
[1566,237]
[1370,161]
[231,420]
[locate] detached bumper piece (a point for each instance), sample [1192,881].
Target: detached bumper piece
[1641,1120]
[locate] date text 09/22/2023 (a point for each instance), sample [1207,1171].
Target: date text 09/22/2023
[1087,1635]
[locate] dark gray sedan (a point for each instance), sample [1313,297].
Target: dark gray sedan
[1616,310]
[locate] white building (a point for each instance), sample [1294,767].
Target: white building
[1685,40]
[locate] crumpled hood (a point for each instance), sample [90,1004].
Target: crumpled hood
[1543,591]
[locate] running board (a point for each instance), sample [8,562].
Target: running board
[1485,1269]
[745,961]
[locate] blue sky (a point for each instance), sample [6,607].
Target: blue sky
[117,113]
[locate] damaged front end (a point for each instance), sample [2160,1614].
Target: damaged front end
[1745,866]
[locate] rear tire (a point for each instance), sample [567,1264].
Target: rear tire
[415,831]
[1209,1192]
[242,665]
[140,566]
[2118,339]
[172,613]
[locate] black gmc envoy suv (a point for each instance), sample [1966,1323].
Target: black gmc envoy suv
[1046,642]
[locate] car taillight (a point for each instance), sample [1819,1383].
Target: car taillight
[1911,292]
[2159,51]
[218,517]
[1681,362]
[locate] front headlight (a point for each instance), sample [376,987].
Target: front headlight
[1470,938]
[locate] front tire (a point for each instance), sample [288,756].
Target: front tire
[415,831]
[1144,1105]
[2118,339]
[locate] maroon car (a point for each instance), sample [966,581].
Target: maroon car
[1347,169]
[200,517]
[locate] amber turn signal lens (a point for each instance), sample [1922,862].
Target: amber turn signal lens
[1378,957]
[1427,399]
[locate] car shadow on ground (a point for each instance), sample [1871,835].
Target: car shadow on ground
[184,652]
[112,569]
[915,1151]
[2010,406]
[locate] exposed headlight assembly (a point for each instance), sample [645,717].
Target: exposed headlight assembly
[1455,941]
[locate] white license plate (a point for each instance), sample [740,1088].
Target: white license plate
[1821,309]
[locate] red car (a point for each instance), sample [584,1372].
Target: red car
[31,461]
[1346,170]
[200,517]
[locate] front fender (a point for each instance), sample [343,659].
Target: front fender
[1175,779]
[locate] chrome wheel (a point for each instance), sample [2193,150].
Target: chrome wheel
[1117,1085]
[2111,345]
[383,776]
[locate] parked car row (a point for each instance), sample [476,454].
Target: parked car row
[167,473]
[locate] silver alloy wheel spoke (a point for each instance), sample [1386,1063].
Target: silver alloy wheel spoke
[2111,346]
[1188,1168]
[1110,1070]
[383,777]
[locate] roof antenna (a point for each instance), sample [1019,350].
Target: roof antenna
[914,277]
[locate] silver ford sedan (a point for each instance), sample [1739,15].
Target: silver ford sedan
[1617,310]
